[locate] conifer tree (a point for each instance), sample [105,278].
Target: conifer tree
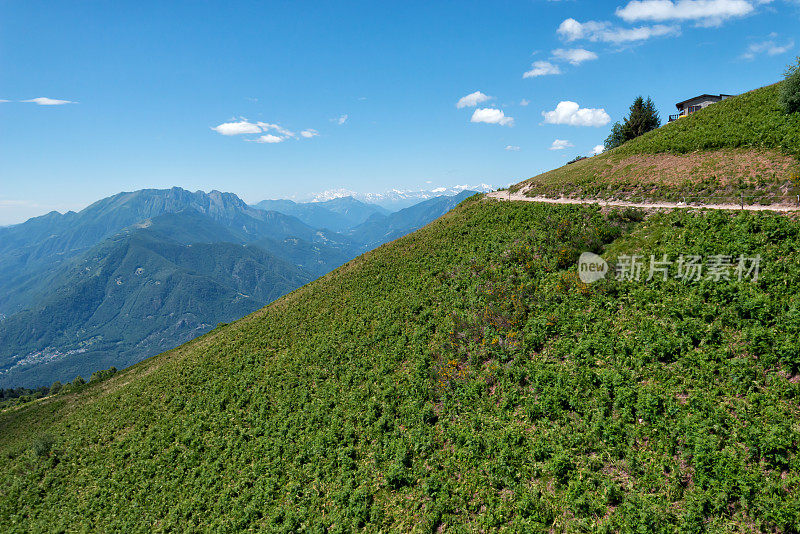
[642,118]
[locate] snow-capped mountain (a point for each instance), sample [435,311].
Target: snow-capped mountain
[395,199]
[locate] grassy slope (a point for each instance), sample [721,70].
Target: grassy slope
[458,378]
[742,145]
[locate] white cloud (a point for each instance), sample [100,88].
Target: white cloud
[472,100]
[560,144]
[245,127]
[572,114]
[269,138]
[340,120]
[237,128]
[642,33]
[492,116]
[1,100]
[574,56]
[705,12]
[572,30]
[512,148]
[524,102]
[542,68]
[598,149]
[44,101]
[769,47]
[265,127]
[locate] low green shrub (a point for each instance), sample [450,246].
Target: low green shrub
[42,445]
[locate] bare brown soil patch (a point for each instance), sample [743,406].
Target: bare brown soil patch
[762,176]
[723,166]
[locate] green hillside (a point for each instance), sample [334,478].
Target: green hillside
[458,379]
[743,146]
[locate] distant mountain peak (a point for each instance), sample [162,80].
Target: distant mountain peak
[398,198]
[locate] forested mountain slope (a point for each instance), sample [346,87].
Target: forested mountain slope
[138,293]
[380,228]
[339,214]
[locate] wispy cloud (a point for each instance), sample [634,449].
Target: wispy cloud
[524,102]
[560,144]
[340,119]
[44,101]
[512,148]
[570,113]
[243,126]
[770,47]
[575,56]
[492,116]
[472,100]
[269,138]
[542,68]
[703,12]
[595,31]
[265,127]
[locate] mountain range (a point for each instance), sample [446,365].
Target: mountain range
[141,272]
[396,199]
[338,214]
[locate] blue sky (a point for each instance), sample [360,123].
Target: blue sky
[375,86]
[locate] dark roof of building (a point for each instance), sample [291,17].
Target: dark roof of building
[679,104]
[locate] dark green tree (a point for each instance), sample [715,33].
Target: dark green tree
[790,90]
[97,376]
[642,118]
[616,137]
